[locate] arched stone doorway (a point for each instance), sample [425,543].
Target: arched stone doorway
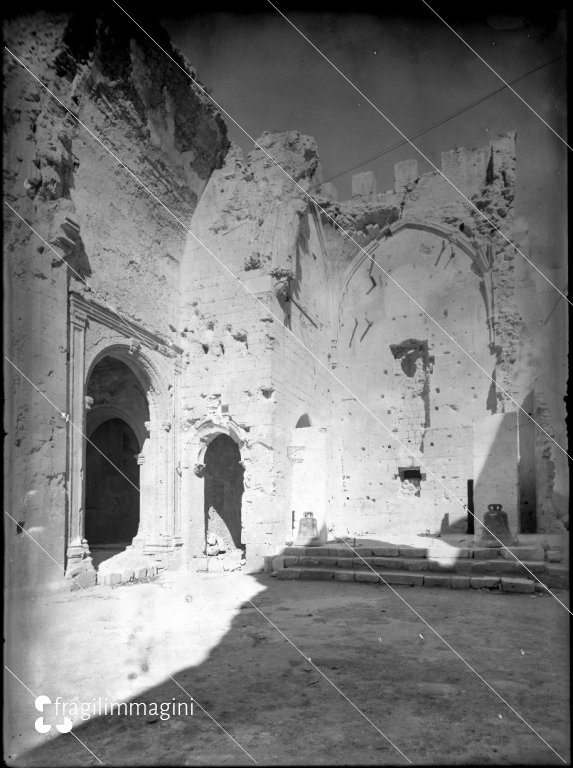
[223,494]
[116,430]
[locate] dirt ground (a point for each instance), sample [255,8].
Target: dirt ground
[124,643]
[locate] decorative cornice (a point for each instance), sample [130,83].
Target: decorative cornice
[82,309]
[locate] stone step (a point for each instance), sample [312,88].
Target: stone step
[554,577]
[524,553]
[442,565]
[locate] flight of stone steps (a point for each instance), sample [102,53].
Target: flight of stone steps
[465,567]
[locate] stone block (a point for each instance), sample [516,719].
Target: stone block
[316,574]
[288,573]
[84,579]
[310,562]
[344,575]
[313,552]
[509,584]
[554,555]
[413,551]
[289,560]
[405,173]
[362,551]
[503,567]
[373,578]
[464,566]
[484,582]
[385,551]
[437,580]
[388,562]
[523,553]
[416,565]
[363,184]
[338,552]
[403,578]
[536,567]
[484,553]
[345,562]
[557,577]
[442,566]
[141,573]
[460,582]
[358,563]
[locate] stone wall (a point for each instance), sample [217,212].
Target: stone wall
[96,222]
[262,316]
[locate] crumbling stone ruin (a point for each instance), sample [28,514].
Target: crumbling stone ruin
[183,360]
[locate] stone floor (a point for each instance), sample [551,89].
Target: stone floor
[128,642]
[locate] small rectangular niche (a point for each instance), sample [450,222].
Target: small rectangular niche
[411,476]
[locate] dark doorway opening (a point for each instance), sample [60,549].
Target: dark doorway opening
[470,506]
[223,492]
[526,469]
[112,496]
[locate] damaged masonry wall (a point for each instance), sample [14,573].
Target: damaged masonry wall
[104,227]
[434,405]
[244,430]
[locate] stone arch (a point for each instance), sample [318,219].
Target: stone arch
[107,412]
[207,431]
[143,367]
[193,471]
[451,234]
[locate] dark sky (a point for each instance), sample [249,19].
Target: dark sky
[415,70]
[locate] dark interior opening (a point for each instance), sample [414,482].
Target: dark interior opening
[112,495]
[470,506]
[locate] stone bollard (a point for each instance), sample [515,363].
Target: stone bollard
[495,519]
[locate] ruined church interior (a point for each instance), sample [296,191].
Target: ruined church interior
[223,373]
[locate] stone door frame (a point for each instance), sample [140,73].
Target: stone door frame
[95,333]
[192,482]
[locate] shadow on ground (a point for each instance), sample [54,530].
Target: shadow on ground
[267,695]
